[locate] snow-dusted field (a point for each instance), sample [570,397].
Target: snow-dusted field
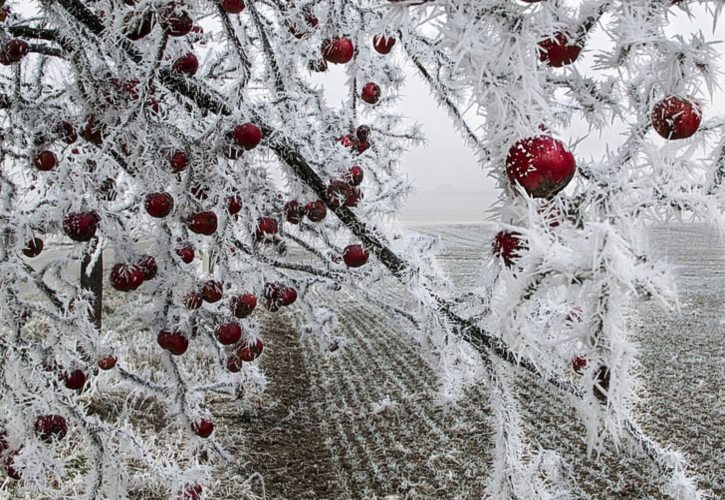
[363,422]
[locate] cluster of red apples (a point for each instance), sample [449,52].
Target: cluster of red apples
[543,167]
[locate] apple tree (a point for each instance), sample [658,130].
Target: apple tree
[140,135]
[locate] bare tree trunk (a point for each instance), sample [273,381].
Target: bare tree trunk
[93,282]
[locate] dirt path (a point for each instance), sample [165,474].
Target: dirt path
[286,439]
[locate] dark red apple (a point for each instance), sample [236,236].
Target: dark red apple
[80,226]
[212,291]
[137,27]
[287,296]
[148,265]
[266,227]
[316,210]
[229,333]
[294,212]
[362,133]
[234,363]
[243,305]
[559,50]
[178,160]
[354,176]
[74,380]
[676,118]
[67,132]
[578,364]
[174,342]
[541,165]
[175,21]
[338,192]
[49,428]
[234,204]
[186,253]
[107,362]
[33,247]
[14,51]
[370,93]
[158,205]
[383,44]
[193,491]
[232,6]
[355,255]
[338,50]
[193,300]
[45,161]
[94,131]
[247,136]
[506,246]
[202,223]
[125,277]
[203,427]
[188,64]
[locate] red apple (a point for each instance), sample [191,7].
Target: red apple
[10,468]
[234,204]
[74,380]
[148,265]
[45,160]
[229,333]
[383,44]
[301,30]
[81,226]
[354,176]
[107,362]
[579,363]
[362,133]
[186,253]
[193,300]
[33,247]
[50,427]
[316,210]
[67,132]
[676,118]
[193,491]
[178,160]
[243,305]
[232,6]
[203,428]
[266,227]
[338,192]
[137,27]
[94,131]
[355,255]
[14,51]
[234,363]
[506,246]
[247,136]
[541,165]
[202,223]
[212,291]
[294,212]
[174,342]
[559,50]
[287,296]
[175,21]
[125,277]
[158,205]
[338,50]
[370,93]
[188,64]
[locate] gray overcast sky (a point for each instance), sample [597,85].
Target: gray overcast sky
[450,185]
